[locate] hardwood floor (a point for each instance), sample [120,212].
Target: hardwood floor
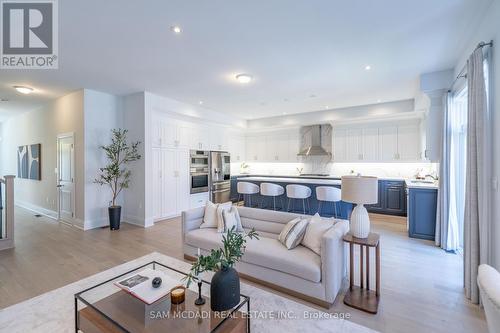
[421,284]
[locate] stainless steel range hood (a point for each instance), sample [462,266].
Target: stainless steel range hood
[313,145]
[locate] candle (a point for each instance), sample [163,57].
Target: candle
[177,295]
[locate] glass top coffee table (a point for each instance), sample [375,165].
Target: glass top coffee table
[107,308]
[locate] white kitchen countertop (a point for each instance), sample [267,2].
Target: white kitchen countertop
[293,180]
[434,185]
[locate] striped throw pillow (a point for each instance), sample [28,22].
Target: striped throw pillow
[293,232]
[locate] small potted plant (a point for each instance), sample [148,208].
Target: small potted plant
[225,284]
[115,174]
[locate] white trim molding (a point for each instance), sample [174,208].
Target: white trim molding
[37,209]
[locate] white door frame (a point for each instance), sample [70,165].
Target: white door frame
[59,137]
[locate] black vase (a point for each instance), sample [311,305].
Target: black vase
[225,289]
[115,213]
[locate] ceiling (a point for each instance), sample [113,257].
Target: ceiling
[304,55]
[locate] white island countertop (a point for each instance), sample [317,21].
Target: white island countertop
[293,180]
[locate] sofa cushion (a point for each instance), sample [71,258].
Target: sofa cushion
[210,217]
[266,252]
[314,232]
[293,232]
[270,253]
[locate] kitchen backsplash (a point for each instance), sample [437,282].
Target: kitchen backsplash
[319,165]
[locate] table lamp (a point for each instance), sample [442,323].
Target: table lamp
[360,190]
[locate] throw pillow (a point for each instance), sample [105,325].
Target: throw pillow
[293,232]
[210,217]
[314,231]
[220,219]
[232,219]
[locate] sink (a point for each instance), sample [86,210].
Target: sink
[421,181]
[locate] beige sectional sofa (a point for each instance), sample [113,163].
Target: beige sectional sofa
[300,271]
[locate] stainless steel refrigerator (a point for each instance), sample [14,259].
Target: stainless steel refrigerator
[220,176]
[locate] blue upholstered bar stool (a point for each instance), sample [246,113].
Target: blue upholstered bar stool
[328,194]
[298,192]
[272,190]
[247,190]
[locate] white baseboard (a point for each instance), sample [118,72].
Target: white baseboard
[135,220]
[94,224]
[37,209]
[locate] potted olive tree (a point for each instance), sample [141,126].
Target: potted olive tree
[225,284]
[115,174]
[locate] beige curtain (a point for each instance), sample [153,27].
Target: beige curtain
[476,219]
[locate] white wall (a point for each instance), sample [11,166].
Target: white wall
[333,115]
[489,29]
[102,112]
[134,210]
[42,126]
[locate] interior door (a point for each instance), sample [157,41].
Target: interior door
[65,178]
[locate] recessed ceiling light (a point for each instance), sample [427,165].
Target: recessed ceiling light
[24,90]
[327,107]
[379,101]
[244,78]
[200,102]
[284,113]
[368,67]
[176,29]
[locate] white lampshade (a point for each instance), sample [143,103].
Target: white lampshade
[360,189]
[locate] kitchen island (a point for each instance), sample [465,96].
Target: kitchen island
[328,209]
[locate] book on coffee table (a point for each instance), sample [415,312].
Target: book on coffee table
[140,285]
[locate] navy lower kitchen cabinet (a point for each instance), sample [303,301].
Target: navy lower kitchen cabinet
[422,208]
[343,210]
[391,198]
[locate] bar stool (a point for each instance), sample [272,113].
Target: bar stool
[328,194]
[247,189]
[271,190]
[301,192]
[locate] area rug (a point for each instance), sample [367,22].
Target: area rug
[54,311]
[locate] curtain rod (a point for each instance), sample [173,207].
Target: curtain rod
[464,75]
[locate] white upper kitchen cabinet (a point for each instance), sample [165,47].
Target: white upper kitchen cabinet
[355,144]
[200,138]
[370,144]
[277,148]
[237,147]
[184,131]
[388,143]
[218,138]
[409,142]
[164,133]
[256,150]
[339,144]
